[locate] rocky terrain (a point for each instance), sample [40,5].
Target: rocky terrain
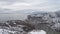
[16,27]
[49,22]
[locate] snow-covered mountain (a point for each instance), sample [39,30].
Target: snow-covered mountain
[28,11]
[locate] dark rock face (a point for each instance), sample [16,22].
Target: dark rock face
[4,24]
[19,23]
[56,27]
[15,22]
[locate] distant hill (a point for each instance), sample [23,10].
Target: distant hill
[38,12]
[28,11]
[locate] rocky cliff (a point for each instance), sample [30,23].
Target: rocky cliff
[50,19]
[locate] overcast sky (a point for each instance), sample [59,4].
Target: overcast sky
[48,5]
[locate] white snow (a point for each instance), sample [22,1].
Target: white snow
[32,32]
[37,32]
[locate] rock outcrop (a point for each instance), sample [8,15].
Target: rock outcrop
[45,21]
[17,26]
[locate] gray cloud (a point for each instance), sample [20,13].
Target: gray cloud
[48,5]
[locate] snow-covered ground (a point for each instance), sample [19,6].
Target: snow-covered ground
[32,32]
[3,31]
[37,32]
